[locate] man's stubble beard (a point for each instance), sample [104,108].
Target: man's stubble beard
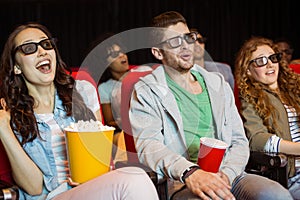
[181,66]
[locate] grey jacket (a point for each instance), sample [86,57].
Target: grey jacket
[158,129]
[223,68]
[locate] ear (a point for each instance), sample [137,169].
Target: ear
[157,53]
[17,69]
[3,104]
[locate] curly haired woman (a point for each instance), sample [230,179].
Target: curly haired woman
[269,92]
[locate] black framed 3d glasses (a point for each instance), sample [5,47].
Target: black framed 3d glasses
[32,47]
[202,40]
[114,54]
[262,61]
[178,40]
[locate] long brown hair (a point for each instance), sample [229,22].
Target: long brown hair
[18,100]
[253,92]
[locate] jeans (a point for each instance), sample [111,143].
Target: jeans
[128,183]
[247,187]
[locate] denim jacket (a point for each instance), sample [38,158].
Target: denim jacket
[40,151]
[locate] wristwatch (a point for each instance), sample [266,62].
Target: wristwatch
[188,172]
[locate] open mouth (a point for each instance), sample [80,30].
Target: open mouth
[123,61]
[185,57]
[44,66]
[270,72]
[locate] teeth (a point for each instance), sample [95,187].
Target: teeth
[45,62]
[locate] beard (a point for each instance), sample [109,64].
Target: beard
[176,62]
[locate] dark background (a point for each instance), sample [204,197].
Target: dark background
[226,23]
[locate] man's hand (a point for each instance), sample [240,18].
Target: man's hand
[224,177]
[209,185]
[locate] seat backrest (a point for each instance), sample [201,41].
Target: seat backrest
[5,168]
[83,74]
[295,67]
[236,97]
[127,87]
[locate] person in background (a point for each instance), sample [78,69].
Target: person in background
[109,88]
[285,47]
[39,99]
[211,66]
[270,103]
[117,67]
[176,105]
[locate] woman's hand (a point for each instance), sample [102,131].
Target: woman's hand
[4,117]
[26,174]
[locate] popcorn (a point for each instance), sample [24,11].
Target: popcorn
[88,126]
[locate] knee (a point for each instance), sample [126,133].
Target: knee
[134,175]
[138,184]
[260,188]
[273,191]
[131,171]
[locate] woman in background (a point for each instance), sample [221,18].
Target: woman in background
[269,92]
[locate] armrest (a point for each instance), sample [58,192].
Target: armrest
[8,191]
[150,173]
[270,165]
[267,159]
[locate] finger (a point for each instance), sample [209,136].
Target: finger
[223,179]
[203,196]
[216,188]
[218,191]
[223,193]
[3,103]
[211,192]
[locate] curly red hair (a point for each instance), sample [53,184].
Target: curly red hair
[251,90]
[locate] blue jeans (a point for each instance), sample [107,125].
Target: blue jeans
[255,187]
[248,187]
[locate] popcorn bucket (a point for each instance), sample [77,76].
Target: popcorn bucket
[89,153]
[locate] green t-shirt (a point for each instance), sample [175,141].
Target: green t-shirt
[196,114]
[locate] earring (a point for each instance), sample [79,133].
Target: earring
[248,72]
[17,69]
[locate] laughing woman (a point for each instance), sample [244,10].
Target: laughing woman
[39,99]
[270,103]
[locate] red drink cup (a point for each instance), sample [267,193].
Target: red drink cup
[211,154]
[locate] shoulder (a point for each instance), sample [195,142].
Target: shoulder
[83,84]
[207,74]
[107,84]
[214,66]
[85,88]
